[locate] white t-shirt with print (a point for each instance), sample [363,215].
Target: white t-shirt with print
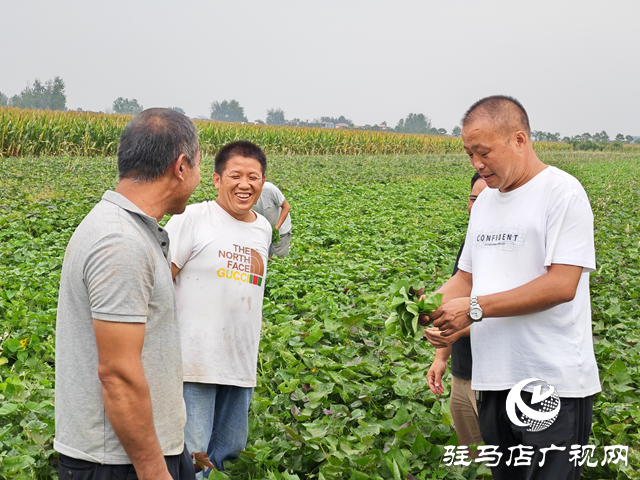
[219,292]
[270,205]
[511,240]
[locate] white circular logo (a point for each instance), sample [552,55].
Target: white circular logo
[544,408]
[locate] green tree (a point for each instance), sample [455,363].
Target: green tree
[538,136]
[47,96]
[126,106]
[619,138]
[601,137]
[585,137]
[335,121]
[4,101]
[227,111]
[177,109]
[275,116]
[628,139]
[414,123]
[456,131]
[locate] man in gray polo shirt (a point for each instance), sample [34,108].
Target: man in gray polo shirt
[119,406]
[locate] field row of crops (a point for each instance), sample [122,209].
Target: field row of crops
[40,132]
[337,398]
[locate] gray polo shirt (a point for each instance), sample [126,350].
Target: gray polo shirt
[117,269]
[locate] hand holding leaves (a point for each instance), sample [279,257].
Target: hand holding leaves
[275,235]
[201,462]
[407,305]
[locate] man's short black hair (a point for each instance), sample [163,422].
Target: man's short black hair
[474,179]
[152,141]
[504,110]
[240,148]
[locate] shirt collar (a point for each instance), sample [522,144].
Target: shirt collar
[124,202]
[158,232]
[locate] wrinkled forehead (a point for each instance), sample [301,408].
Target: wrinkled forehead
[485,131]
[243,165]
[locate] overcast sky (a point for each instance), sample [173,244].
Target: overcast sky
[575,65]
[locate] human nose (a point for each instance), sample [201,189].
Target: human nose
[477,163]
[244,182]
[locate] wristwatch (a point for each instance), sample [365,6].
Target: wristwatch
[475,312]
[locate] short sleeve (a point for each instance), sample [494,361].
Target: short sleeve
[119,274]
[465,256]
[278,196]
[180,230]
[569,236]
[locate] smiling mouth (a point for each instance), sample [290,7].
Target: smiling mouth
[243,196]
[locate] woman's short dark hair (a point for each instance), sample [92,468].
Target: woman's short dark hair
[152,141]
[240,148]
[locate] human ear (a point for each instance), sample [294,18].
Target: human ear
[216,180]
[521,138]
[179,167]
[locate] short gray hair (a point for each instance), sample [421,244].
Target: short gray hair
[506,112]
[152,141]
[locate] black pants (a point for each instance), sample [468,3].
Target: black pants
[180,468]
[572,427]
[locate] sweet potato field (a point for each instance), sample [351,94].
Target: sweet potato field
[337,397]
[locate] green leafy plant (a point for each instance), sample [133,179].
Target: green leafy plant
[337,397]
[407,305]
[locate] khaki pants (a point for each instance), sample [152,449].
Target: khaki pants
[464,411]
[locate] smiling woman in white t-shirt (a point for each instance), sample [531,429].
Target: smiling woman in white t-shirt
[219,253]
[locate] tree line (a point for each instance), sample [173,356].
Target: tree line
[51,95]
[39,96]
[232,111]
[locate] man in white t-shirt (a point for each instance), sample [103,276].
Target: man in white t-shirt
[219,253]
[523,286]
[275,208]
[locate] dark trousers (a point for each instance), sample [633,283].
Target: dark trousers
[180,468]
[572,427]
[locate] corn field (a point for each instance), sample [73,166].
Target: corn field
[43,132]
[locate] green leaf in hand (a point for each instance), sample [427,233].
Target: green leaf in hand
[407,306]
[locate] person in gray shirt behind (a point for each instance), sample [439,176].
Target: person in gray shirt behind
[274,207]
[119,406]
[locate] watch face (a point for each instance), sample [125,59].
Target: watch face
[475,314]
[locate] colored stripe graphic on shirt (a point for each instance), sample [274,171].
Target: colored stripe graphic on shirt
[240,276]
